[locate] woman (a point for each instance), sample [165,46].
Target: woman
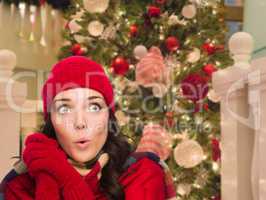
[80,154]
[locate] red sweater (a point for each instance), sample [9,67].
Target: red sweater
[143,180]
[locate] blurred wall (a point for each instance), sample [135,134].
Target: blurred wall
[33,59]
[254,23]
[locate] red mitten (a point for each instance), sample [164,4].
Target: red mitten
[43,154]
[46,187]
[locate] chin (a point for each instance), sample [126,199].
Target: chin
[82,158]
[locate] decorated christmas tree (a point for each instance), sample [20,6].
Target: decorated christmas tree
[160,55]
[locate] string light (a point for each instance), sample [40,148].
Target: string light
[217,63]
[215,166]
[195,185]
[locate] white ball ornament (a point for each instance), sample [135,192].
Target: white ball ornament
[140,51]
[95,28]
[188,154]
[193,56]
[96,6]
[189,11]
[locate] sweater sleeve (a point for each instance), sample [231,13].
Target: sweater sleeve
[46,187]
[23,187]
[154,187]
[19,188]
[144,181]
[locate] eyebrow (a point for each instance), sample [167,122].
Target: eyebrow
[89,98]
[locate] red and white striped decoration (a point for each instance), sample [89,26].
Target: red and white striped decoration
[157,140]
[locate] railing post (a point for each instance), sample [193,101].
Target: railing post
[236,124]
[12,95]
[257,101]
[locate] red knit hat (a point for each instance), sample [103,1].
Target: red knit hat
[75,72]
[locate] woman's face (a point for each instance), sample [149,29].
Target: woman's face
[80,119]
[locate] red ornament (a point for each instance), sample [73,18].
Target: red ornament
[80,52]
[216,197]
[206,107]
[199,107]
[120,66]
[154,11]
[76,49]
[133,30]
[170,114]
[170,118]
[209,48]
[172,43]
[42,2]
[194,87]
[216,151]
[209,69]
[160,1]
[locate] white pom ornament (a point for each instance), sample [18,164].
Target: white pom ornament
[173,20]
[140,51]
[74,26]
[184,189]
[189,11]
[96,6]
[188,154]
[95,28]
[193,56]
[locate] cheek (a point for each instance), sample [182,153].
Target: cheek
[65,141]
[62,122]
[63,132]
[97,125]
[98,142]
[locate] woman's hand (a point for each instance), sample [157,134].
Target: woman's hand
[43,154]
[103,160]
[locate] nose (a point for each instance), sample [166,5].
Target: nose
[80,122]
